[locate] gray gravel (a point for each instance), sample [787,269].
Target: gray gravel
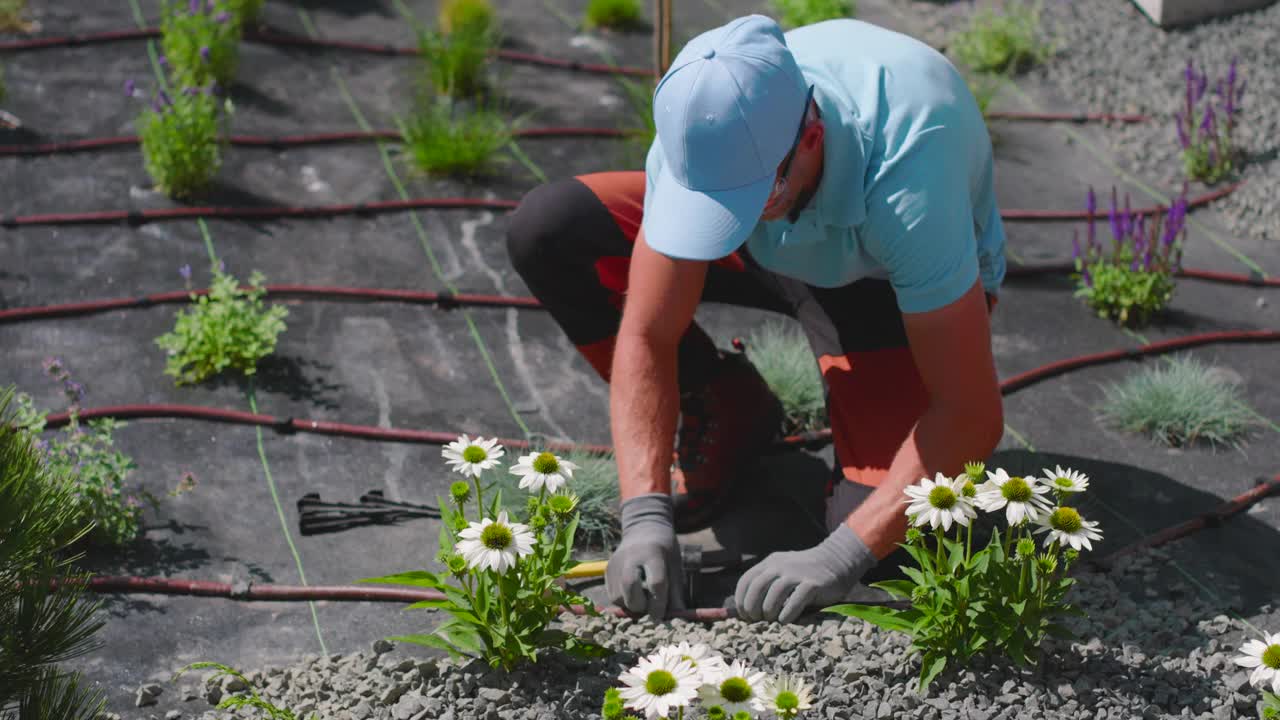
[1112,59]
[1142,653]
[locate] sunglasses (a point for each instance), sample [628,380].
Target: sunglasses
[780,184]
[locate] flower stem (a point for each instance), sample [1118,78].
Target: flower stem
[475,480]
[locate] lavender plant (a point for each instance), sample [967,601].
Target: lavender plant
[1132,278]
[229,328]
[181,138]
[1205,131]
[201,41]
[1003,599]
[98,473]
[500,575]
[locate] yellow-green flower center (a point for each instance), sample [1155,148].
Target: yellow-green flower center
[1063,482]
[787,700]
[1016,490]
[460,491]
[735,690]
[1066,520]
[496,536]
[969,489]
[942,498]
[1271,657]
[474,454]
[561,503]
[660,682]
[546,463]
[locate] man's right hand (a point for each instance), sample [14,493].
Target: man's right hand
[644,574]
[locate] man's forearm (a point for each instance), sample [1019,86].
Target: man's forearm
[643,406]
[942,441]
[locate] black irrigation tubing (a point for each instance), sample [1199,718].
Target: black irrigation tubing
[447,300]
[280,142]
[138,217]
[810,439]
[286,40]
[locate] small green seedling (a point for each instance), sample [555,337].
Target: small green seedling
[201,41]
[1179,402]
[797,13]
[443,138]
[1006,42]
[230,328]
[181,140]
[615,14]
[238,702]
[467,16]
[786,362]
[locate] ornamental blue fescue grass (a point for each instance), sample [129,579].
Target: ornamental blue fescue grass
[795,13]
[1179,402]
[240,702]
[182,138]
[1131,278]
[1005,42]
[786,362]
[229,328]
[615,14]
[87,457]
[1205,129]
[201,42]
[1003,599]
[500,577]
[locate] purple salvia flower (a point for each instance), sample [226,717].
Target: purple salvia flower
[164,99]
[1202,84]
[1183,140]
[191,91]
[1207,125]
[185,272]
[1091,205]
[130,88]
[163,60]
[53,366]
[74,391]
[1086,277]
[1146,259]
[193,7]
[1117,228]
[204,53]
[223,17]
[1133,266]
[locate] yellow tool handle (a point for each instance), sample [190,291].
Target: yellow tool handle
[594,568]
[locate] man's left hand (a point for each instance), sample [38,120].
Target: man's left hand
[784,584]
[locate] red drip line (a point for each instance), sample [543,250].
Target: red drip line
[1051,215]
[283,141]
[1255,279]
[1066,117]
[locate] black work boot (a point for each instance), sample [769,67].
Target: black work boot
[724,424]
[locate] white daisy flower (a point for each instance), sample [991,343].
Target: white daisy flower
[708,665]
[1264,658]
[471,457]
[940,501]
[787,696]
[1066,480]
[543,470]
[495,544]
[1021,498]
[660,684]
[1065,525]
[737,687]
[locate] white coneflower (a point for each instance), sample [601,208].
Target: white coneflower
[1264,658]
[495,544]
[543,470]
[940,501]
[708,665]
[660,684]
[1021,498]
[736,688]
[1066,480]
[1065,525]
[471,457]
[787,696]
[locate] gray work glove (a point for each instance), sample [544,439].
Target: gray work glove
[782,585]
[644,574]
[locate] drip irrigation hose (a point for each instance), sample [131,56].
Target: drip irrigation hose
[280,142]
[1018,115]
[811,439]
[447,300]
[263,37]
[138,217]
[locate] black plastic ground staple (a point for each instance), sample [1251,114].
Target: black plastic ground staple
[447,300]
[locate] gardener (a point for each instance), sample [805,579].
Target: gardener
[840,174]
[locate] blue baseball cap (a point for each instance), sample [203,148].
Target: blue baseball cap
[726,113]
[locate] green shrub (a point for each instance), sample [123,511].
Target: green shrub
[182,140]
[595,482]
[230,328]
[1178,403]
[88,459]
[467,16]
[443,138]
[454,64]
[39,627]
[785,360]
[1002,42]
[201,42]
[618,14]
[796,13]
